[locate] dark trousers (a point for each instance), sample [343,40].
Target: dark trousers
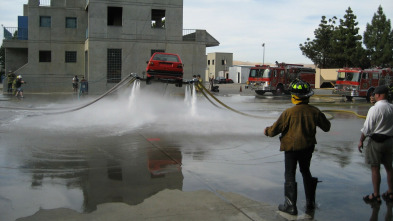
[9,89]
[303,157]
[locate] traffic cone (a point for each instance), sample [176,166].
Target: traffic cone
[241,89]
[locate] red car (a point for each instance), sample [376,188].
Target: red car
[165,67]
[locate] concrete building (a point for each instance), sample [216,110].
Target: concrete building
[102,40]
[239,73]
[218,64]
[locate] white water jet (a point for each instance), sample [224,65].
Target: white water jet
[187,95]
[134,93]
[193,102]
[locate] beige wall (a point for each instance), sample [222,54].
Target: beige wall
[217,68]
[325,75]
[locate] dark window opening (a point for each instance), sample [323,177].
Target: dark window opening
[70,56]
[115,16]
[114,66]
[45,21]
[71,22]
[45,56]
[157,50]
[157,18]
[208,62]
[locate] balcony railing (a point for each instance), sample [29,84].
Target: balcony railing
[189,34]
[15,33]
[45,2]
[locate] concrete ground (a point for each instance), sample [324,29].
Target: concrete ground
[168,163]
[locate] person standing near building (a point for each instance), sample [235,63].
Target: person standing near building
[378,126]
[18,85]
[297,126]
[10,80]
[199,83]
[75,83]
[84,86]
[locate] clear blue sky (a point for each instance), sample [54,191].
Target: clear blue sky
[241,26]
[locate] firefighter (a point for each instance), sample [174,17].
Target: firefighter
[297,126]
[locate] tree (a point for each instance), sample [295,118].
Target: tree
[319,49]
[2,57]
[337,46]
[346,42]
[378,39]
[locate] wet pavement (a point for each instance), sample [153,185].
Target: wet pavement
[141,142]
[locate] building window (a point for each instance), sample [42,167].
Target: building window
[45,56]
[70,56]
[71,22]
[157,18]
[156,50]
[114,65]
[115,16]
[213,62]
[45,21]
[208,62]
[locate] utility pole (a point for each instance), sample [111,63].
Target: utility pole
[263,45]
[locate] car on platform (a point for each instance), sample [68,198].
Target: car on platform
[222,80]
[165,67]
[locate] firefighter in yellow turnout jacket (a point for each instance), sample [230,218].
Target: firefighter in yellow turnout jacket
[297,126]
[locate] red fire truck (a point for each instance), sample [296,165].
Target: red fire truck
[355,82]
[265,78]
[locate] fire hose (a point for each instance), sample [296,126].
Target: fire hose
[205,92]
[126,81]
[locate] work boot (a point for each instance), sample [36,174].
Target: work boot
[289,206]
[310,186]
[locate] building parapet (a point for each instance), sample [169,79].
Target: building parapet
[199,36]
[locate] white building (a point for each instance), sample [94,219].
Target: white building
[239,73]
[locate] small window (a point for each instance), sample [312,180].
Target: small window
[212,62]
[115,16]
[156,50]
[45,21]
[208,62]
[223,62]
[70,56]
[375,76]
[45,56]
[157,18]
[71,22]
[114,65]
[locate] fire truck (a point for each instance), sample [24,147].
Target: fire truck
[355,82]
[276,79]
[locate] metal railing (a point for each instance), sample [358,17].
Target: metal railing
[15,33]
[45,2]
[189,34]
